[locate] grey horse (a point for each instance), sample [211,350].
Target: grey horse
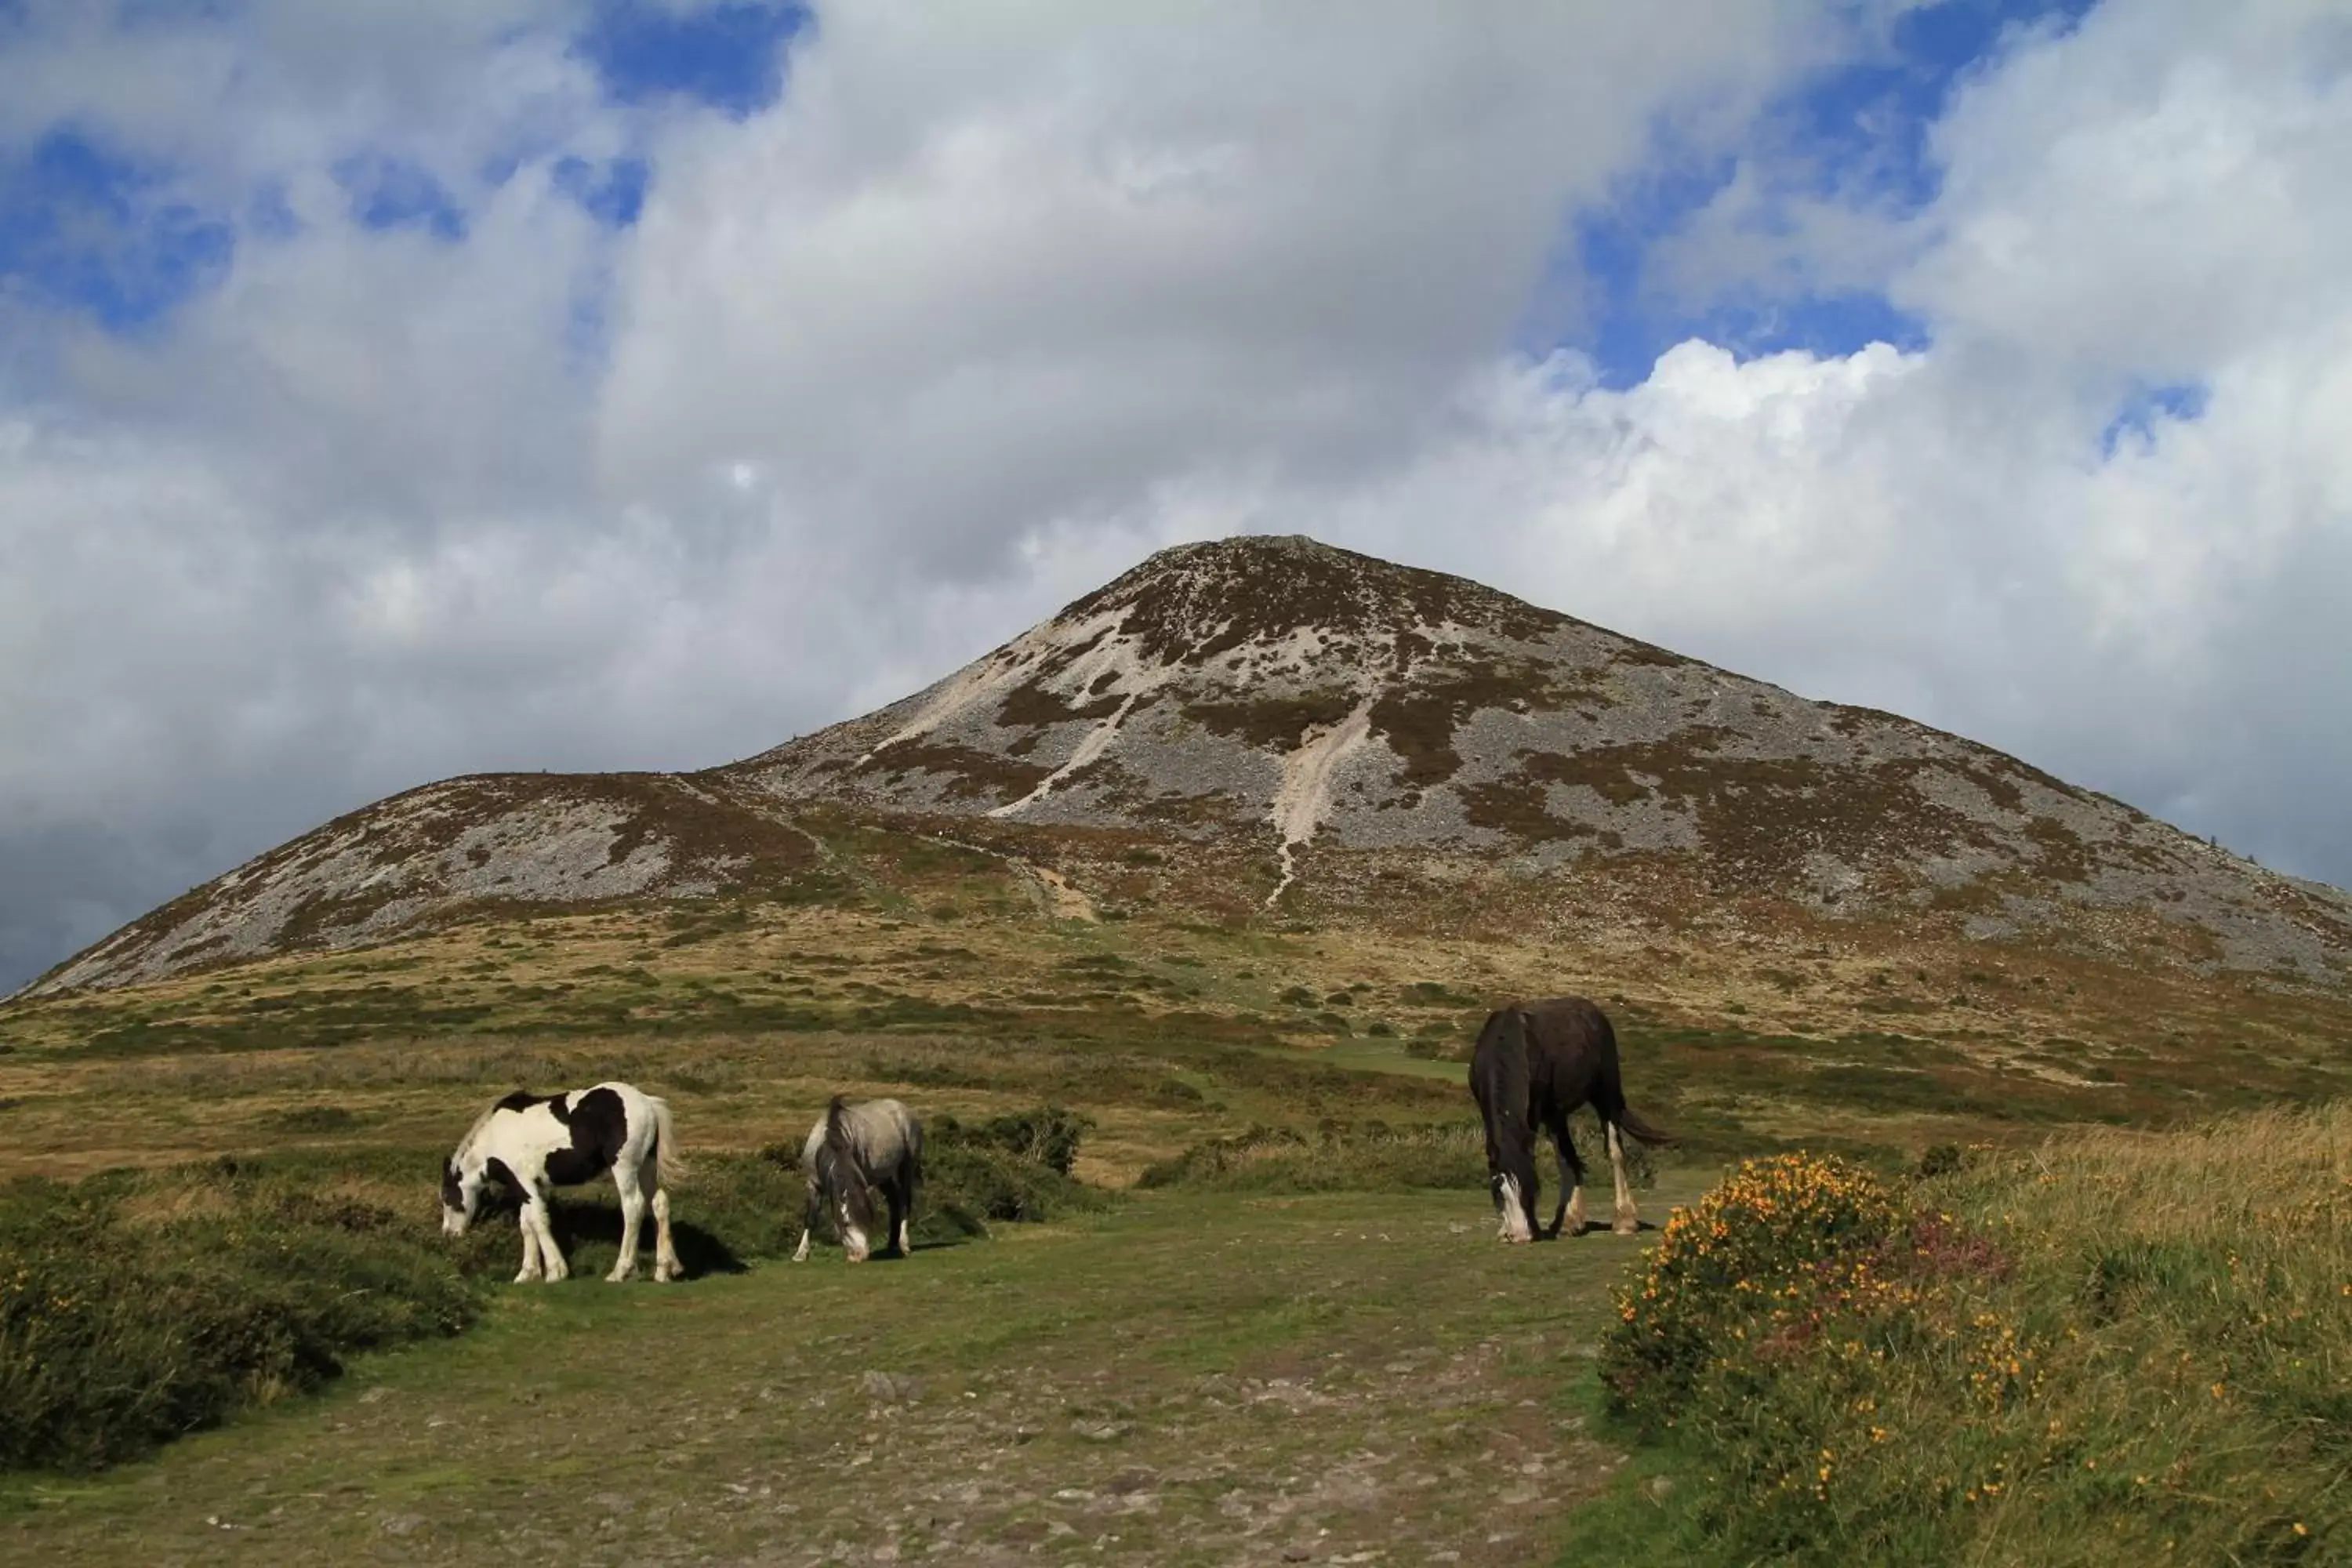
[851,1150]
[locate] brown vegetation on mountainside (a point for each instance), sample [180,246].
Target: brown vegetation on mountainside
[1273,720]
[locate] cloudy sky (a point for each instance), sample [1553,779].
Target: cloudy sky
[397,388]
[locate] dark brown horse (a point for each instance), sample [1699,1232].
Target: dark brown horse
[1535,1062]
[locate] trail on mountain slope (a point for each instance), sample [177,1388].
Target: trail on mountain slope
[1097,742]
[1304,797]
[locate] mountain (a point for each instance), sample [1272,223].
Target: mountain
[1321,729]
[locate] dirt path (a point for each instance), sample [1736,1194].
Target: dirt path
[1334,1379]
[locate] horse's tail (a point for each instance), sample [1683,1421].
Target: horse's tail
[667,1165]
[1648,1132]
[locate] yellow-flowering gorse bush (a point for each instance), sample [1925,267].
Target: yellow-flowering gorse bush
[1752,1270]
[2118,1344]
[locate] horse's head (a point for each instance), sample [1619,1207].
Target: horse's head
[461,1196]
[1499,1069]
[844,1186]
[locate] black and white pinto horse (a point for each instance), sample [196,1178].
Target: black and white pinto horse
[851,1150]
[529,1144]
[1534,1062]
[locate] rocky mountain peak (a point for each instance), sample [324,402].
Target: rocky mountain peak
[1189,604]
[1327,718]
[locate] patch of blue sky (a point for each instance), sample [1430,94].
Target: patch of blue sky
[389,191]
[89,230]
[270,215]
[588,324]
[1858,132]
[2137,419]
[1861,129]
[612,191]
[729,55]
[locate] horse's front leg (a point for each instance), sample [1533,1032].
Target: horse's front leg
[808,1223]
[1571,1217]
[1570,1209]
[1516,1205]
[535,1213]
[530,1267]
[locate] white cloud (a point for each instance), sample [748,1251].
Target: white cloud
[995,300]
[966,277]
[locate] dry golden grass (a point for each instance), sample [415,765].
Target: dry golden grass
[946,975]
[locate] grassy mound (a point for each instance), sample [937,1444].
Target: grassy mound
[137,1306]
[2117,1346]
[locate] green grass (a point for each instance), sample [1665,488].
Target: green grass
[137,1306]
[1187,1378]
[1371,1157]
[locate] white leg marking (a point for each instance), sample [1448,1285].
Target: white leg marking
[1576,1211]
[632,1219]
[1516,1226]
[799,1253]
[529,1251]
[666,1264]
[1628,1218]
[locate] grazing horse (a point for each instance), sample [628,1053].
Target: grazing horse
[529,1144]
[1536,1061]
[852,1150]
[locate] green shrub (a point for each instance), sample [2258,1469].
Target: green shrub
[1940,1160]
[1014,1168]
[1048,1135]
[119,1332]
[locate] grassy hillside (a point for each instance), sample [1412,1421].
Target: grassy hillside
[1277,1084]
[954,972]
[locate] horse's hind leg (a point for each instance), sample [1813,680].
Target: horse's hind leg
[1628,1218]
[902,1215]
[633,1221]
[666,1264]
